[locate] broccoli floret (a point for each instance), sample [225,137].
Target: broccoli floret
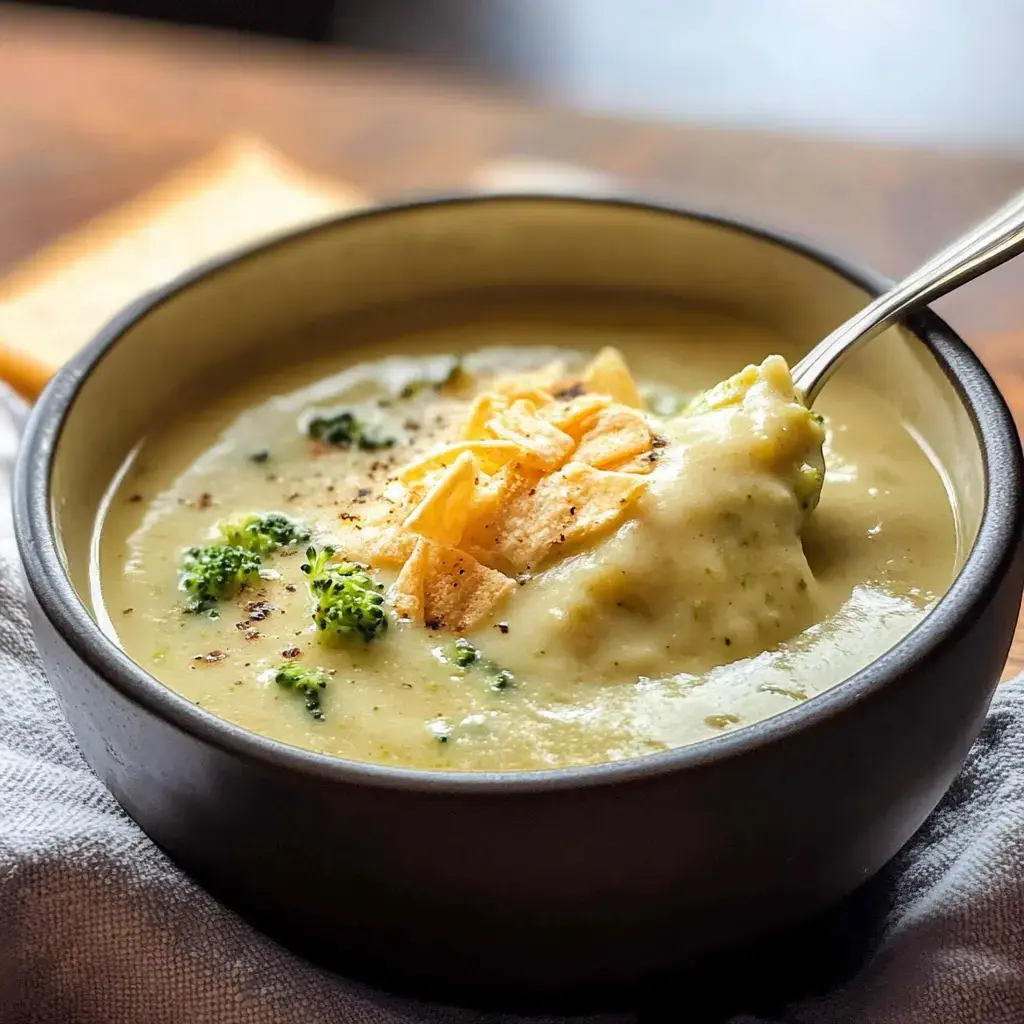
[462,654]
[501,679]
[310,682]
[263,534]
[216,572]
[348,602]
[344,429]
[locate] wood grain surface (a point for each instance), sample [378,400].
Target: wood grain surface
[93,110]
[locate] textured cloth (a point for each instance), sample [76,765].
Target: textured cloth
[98,927]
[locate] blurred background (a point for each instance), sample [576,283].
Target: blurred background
[878,128]
[939,72]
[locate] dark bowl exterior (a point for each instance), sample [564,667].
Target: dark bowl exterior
[597,876]
[495,895]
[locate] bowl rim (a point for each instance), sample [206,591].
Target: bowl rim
[981,573]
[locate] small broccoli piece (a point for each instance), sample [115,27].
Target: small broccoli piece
[501,679]
[216,572]
[344,429]
[462,654]
[450,376]
[263,534]
[310,682]
[347,600]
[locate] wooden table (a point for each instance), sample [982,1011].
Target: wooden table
[94,110]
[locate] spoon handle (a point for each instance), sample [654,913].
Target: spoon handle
[994,241]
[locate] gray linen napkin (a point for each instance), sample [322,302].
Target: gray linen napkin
[97,926]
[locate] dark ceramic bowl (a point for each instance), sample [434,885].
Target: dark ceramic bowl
[540,881]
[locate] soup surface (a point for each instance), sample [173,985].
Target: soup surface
[542,563]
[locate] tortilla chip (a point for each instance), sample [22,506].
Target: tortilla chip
[599,496]
[392,548]
[441,515]
[484,407]
[356,543]
[363,526]
[521,385]
[407,593]
[535,395]
[489,492]
[539,439]
[576,416]
[491,502]
[565,507]
[609,375]
[618,434]
[491,455]
[458,592]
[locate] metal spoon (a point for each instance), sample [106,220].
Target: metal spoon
[994,241]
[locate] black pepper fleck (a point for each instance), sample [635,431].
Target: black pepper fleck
[211,657]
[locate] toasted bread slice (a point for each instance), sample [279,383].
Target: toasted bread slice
[51,305]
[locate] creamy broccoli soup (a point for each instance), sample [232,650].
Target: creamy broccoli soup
[478,552]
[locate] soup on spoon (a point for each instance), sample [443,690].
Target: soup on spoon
[523,557]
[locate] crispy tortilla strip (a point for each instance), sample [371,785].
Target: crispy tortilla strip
[521,385]
[539,439]
[576,416]
[566,507]
[458,592]
[535,395]
[356,543]
[599,495]
[484,407]
[442,514]
[487,516]
[372,532]
[492,455]
[363,527]
[618,434]
[392,549]
[489,493]
[407,592]
[446,588]
[609,375]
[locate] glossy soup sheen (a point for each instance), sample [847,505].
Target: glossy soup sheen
[756,615]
